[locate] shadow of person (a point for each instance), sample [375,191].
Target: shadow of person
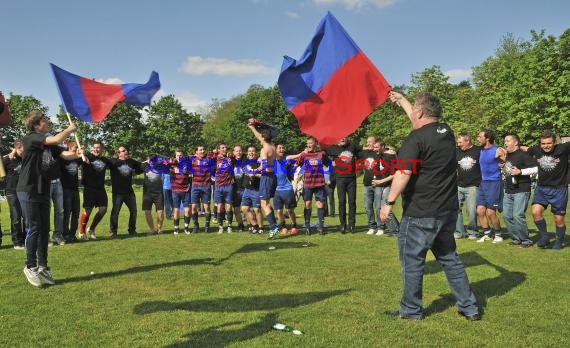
[483,289]
[137,269]
[257,247]
[238,304]
[216,337]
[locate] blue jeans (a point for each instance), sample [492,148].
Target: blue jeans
[36,210]
[416,237]
[514,208]
[167,203]
[130,200]
[374,198]
[467,196]
[56,195]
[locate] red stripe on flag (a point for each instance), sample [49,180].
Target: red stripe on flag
[101,97]
[338,109]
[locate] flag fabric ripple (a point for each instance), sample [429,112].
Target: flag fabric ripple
[333,87]
[92,101]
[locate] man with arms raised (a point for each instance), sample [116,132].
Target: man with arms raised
[428,185]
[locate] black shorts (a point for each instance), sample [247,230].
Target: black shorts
[94,198]
[153,198]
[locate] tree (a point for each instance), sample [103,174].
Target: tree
[19,108]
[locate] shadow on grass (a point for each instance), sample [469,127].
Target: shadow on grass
[138,269]
[217,336]
[257,247]
[239,304]
[214,337]
[483,289]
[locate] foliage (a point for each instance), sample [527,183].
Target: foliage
[19,107]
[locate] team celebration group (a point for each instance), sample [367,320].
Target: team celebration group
[263,184]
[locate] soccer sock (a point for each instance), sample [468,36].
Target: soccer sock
[220,217]
[96,220]
[542,231]
[195,219]
[307,215]
[176,224]
[230,217]
[560,233]
[186,221]
[271,220]
[207,217]
[321,215]
[82,222]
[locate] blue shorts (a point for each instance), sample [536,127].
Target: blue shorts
[490,194]
[267,186]
[555,196]
[223,194]
[201,194]
[319,193]
[285,198]
[250,198]
[180,198]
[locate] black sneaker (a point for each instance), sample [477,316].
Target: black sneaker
[308,230]
[207,229]
[470,317]
[343,229]
[195,229]
[321,231]
[113,235]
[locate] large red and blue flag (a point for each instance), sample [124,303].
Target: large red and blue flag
[333,87]
[92,101]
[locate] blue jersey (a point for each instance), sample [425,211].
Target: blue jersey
[281,169]
[489,164]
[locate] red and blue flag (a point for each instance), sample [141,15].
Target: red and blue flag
[92,101]
[333,87]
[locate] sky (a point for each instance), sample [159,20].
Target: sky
[216,49]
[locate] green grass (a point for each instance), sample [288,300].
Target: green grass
[210,290]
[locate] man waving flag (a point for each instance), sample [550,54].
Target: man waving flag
[92,101]
[333,87]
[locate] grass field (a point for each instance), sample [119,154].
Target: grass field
[228,290]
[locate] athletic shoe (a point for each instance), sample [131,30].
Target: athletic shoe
[498,239]
[220,229]
[175,231]
[273,233]
[83,236]
[33,276]
[19,247]
[558,245]
[472,237]
[207,229]
[260,231]
[484,238]
[92,235]
[195,229]
[45,276]
[380,232]
[457,236]
[59,241]
[186,230]
[241,228]
[229,230]
[113,235]
[371,231]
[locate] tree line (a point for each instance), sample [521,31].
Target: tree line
[523,88]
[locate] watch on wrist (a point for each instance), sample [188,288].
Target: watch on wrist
[390,202]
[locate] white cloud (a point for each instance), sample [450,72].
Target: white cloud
[196,65]
[356,4]
[292,14]
[111,80]
[192,103]
[459,74]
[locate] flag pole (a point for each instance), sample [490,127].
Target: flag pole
[76,138]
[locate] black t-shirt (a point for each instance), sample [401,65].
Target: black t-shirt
[553,166]
[370,156]
[152,183]
[13,168]
[122,172]
[32,179]
[432,190]
[70,173]
[385,168]
[251,181]
[93,173]
[468,167]
[345,159]
[521,160]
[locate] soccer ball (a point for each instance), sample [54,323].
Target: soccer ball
[293,231]
[284,230]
